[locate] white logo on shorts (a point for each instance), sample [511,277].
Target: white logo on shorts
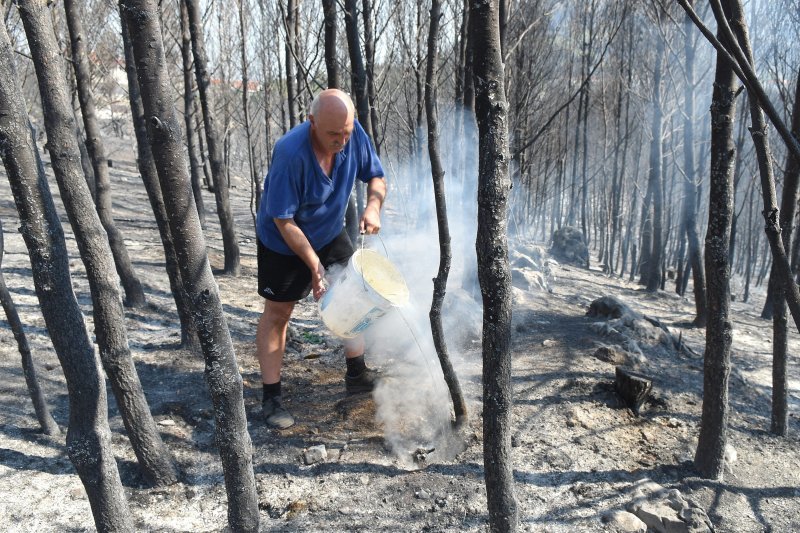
[267,290]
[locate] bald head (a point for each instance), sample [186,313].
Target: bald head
[332,120]
[332,101]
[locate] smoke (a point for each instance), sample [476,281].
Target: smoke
[413,401]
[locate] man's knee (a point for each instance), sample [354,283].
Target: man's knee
[277,313]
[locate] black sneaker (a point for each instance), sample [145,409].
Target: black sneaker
[364,382]
[275,415]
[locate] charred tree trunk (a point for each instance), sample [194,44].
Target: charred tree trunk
[369,68]
[656,255]
[690,187]
[291,41]
[88,435]
[218,171]
[188,105]
[445,254]
[109,317]
[134,295]
[331,66]
[360,90]
[46,422]
[494,274]
[251,164]
[222,374]
[709,457]
[359,72]
[785,289]
[147,169]
[780,405]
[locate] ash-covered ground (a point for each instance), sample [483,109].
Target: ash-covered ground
[582,459]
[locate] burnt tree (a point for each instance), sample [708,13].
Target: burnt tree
[494,273]
[109,316]
[188,107]
[656,251]
[46,422]
[218,172]
[445,253]
[689,213]
[358,82]
[134,294]
[791,180]
[709,457]
[221,370]
[88,436]
[778,227]
[147,170]
[331,66]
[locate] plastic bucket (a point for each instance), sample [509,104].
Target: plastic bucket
[369,286]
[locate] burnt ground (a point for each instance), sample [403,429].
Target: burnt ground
[577,450]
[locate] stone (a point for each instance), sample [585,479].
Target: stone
[422,494]
[315,454]
[623,522]
[656,514]
[730,454]
[696,520]
[576,417]
[676,501]
[166,422]
[610,354]
[570,247]
[523,261]
[609,307]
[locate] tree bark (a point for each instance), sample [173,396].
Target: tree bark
[331,65]
[656,255]
[251,165]
[445,254]
[222,373]
[780,403]
[709,457]
[359,72]
[369,68]
[109,317]
[690,186]
[784,283]
[88,435]
[291,41]
[147,169]
[360,91]
[494,273]
[188,105]
[218,171]
[134,294]
[46,422]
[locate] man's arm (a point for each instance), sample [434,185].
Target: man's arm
[371,219]
[298,243]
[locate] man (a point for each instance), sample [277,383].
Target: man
[300,226]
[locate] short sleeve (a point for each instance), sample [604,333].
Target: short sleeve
[370,162]
[284,192]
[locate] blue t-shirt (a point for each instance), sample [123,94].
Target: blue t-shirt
[296,187]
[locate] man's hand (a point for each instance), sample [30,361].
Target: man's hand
[318,281]
[371,219]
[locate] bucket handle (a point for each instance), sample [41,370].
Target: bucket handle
[385,252]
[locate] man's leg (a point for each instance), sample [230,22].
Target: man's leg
[358,378]
[270,347]
[354,347]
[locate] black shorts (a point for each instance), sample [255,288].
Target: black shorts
[286,278]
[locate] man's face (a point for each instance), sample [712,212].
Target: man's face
[332,130]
